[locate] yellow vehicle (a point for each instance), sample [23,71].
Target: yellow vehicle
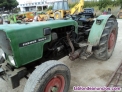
[43,16]
[119,15]
[61,9]
[27,17]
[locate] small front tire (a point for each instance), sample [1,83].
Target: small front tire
[51,76]
[57,15]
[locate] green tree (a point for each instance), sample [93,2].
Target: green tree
[105,3]
[120,2]
[8,4]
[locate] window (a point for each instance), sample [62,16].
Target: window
[66,7]
[55,6]
[60,5]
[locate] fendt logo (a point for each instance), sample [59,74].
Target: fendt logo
[32,42]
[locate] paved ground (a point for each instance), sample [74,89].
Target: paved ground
[90,72]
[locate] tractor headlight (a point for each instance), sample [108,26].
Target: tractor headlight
[2,53]
[11,60]
[2,56]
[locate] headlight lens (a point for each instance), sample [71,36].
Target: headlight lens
[11,59]
[2,54]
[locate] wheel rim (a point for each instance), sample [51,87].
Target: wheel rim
[112,39]
[56,84]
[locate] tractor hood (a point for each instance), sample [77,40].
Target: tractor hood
[20,40]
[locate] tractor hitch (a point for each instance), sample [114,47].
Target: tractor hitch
[75,55]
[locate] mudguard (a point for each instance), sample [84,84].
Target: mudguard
[97,29]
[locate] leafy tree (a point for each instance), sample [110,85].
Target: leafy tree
[8,4]
[104,3]
[120,2]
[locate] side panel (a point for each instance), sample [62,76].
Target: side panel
[30,45]
[27,40]
[97,29]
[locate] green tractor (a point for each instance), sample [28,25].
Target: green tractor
[31,50]
[17,18]
[10,18]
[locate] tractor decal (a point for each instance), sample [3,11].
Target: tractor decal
[32,42]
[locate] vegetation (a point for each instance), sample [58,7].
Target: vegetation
[100,4]
[72,5]
[50,8]
[103,3]
[8,4]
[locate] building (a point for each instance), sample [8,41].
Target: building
[33,5]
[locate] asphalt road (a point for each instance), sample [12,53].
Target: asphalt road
[90,72]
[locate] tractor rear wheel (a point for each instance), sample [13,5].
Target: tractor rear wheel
[108,40]
[51,76]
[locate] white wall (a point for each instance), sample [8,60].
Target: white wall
[22,9]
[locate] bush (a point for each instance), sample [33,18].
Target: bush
[90,4]
[49,8]
[72,5]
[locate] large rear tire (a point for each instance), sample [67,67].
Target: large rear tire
[108,40]
[51,76]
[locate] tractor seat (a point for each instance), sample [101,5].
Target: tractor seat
[88,13]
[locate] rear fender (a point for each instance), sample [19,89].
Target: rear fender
[97,29]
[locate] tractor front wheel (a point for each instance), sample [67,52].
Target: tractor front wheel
[51,76]
[57,15]
[108,40]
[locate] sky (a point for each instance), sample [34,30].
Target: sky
[22,1]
